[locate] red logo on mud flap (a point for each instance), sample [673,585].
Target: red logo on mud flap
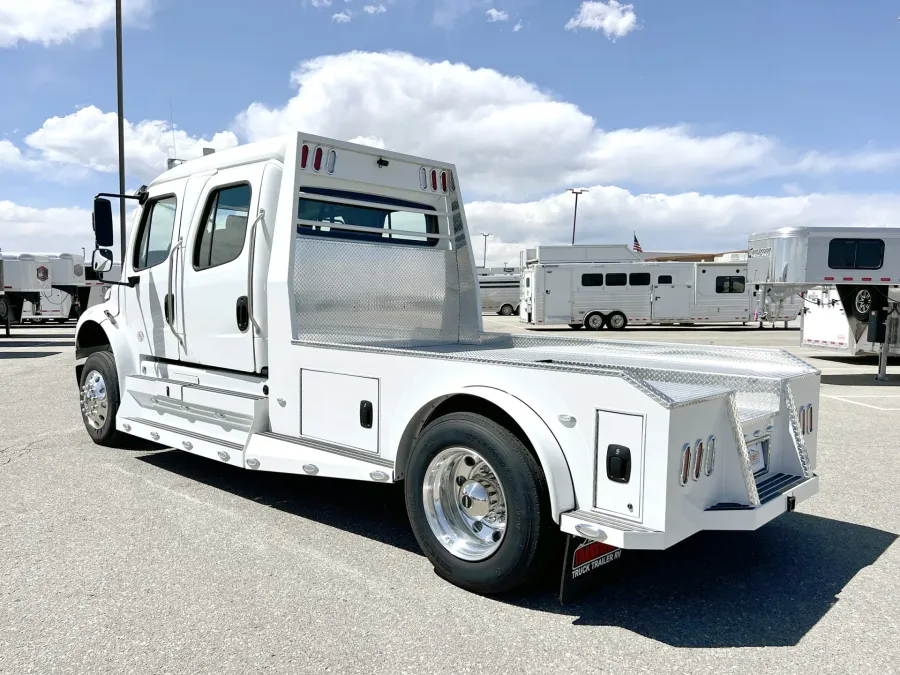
[42,273]
[593,554]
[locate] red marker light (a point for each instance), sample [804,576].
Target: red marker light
[304,156]
[317,159]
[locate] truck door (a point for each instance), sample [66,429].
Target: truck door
[558,296]
[151,268]
[671,301]
[218,329]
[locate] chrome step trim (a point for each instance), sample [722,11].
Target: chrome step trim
[227,392]
[189,434]
[332,448]
[608,521]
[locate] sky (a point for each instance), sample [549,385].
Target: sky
[691,123]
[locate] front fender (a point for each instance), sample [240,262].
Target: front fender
[99,330]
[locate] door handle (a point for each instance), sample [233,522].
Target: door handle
[169,308]
[547,291]
[242,313]
[365,414]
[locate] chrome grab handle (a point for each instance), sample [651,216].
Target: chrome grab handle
[261,216]
[170,319]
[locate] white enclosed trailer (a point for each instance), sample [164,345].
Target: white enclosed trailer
[857,267]
[616,294]
[499,293]
[310,306]
[26,278]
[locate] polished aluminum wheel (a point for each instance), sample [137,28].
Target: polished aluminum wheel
[595,322]
[617,321]
[94,400]
[863,301]
[464,503]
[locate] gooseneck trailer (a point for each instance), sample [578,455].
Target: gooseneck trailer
[309,306]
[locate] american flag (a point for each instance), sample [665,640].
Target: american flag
[636,247]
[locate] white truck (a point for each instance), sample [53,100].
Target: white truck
[845,272]
[309,306]
[25,278]
[617,294]
[499,293]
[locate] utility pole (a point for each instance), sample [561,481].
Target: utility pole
[119,93]
[485,235]
[576,192]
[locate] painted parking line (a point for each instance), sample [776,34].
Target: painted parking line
[847,399]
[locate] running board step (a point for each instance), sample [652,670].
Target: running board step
[611,530]
[182,439]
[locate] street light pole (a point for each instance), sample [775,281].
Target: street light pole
[576,192]
[119,93]
[485,235]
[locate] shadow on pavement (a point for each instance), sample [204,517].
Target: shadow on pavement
[36,343]
[715,328]
[25,355]
[717,589]
[862,379]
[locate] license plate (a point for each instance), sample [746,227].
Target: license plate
[758,452]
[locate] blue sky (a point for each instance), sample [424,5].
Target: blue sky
[693,122]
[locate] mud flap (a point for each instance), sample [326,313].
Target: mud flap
[585,565]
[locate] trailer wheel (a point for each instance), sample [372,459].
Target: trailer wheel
[477,502]
[863,301]
[7,309]
[617,321]
[506,310]
[99,395]
[594,321]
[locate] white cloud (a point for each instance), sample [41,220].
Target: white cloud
[321,3]
[57,21]
[519,26]
[11,158]
[374,9]
[341,17]
[371,141]
[23,228]
[494,15]
[88,138]
[512,140]
[667,222]
[613,18]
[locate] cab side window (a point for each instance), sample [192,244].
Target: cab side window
[224,230]
[155,238]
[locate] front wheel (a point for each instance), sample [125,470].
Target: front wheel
[99,387]
[477,502]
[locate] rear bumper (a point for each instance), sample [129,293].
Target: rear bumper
[622,534]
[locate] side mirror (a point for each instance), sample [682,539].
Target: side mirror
[102,260]
[103,223]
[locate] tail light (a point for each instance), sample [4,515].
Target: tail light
[330,161]
[698,460]
[304,156]
[444,181]
[710,455]
[423,178]
[685,464]
[317,159]
[434,180]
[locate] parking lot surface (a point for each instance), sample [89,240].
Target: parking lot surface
[146,560]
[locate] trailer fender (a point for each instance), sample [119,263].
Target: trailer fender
[546,447]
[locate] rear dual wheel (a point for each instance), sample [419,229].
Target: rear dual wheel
[477,502]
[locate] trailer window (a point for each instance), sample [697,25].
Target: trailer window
[664,279]
[221,239]
[384,214]
[856,254]
[730,284]
[639,279]
[155,236]
[591,279]
[616,279]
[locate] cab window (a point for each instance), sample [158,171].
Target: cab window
[221,239]
[155,237]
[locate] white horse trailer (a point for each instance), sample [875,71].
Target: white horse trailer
[26,277]
[858,265]
[499,294]
[616,294]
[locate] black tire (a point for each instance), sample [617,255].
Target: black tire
[506,310]
[594,321]
[8,308]
[862,301]
[104,364]
[616,321]
[529,535]
[576,326]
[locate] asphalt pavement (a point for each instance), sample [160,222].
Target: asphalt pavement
[146,560]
